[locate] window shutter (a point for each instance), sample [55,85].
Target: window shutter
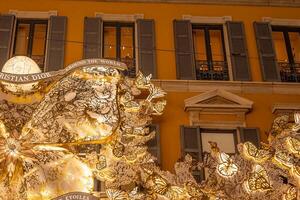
[266,51]
[92,37]
[184,50]
[146,46]
[250,135]
[55,52]
[6,33]
[154,144]
[191,144]
[238,51]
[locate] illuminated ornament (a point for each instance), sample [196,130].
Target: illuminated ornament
[293,145]
[160,186]
[283,160]
[296,127]
[226,166]
[20,65]
[258,180]
[193,190]
[251,152]
[295,171]
[23,160]
[291,194]
[114,194]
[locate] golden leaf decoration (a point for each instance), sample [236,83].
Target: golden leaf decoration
[293,145]
[291,194]
[114,194]
[283,160]
[226,167]
[251,152]
[258,180]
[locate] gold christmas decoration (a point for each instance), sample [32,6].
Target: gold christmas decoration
[93,123]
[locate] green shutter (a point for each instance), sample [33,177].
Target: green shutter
[55,51]
[238,51]
[250,135]
[191,144]
[266,51]
[146,46]
[92,37]
[184,50]
[154,144]
[6,34]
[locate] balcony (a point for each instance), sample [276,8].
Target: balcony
[216,70]
[289,72]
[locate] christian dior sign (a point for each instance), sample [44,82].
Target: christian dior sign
[29,78]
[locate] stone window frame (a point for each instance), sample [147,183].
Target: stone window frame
[21,14]
[131,18]
[215,20]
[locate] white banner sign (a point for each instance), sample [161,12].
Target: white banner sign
[29,78]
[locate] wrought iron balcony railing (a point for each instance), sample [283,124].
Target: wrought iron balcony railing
[289,72]
[216,70]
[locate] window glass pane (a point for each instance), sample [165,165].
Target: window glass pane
[38,44]
[110,42]
[216,45]
[295,45]
[127,50]
[22,39]
[199,44]
[225,141]
[280,47]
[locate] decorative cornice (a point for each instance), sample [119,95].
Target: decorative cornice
[230,86]
[281,3]
[207,20]
[201,101]
[33,14]
[281,22]
[218,103]
[284,107]
[119,17]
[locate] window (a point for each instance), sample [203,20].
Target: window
[119,44]
[194,141]
[30,40]
[287,48]
[210,53]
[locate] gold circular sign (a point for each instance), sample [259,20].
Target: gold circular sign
[20,65]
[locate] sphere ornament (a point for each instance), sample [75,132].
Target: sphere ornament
[20,65]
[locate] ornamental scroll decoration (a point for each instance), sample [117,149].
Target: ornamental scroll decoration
[95,106]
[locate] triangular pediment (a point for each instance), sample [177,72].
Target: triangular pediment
[217,99]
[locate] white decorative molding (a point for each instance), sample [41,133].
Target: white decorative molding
[119,17]
[218,100]
[281,22]
[223,125]
[280,108]
[239,87]
[33,14]
[217,103]
[207,20]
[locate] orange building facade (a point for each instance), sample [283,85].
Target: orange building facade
[228,69]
